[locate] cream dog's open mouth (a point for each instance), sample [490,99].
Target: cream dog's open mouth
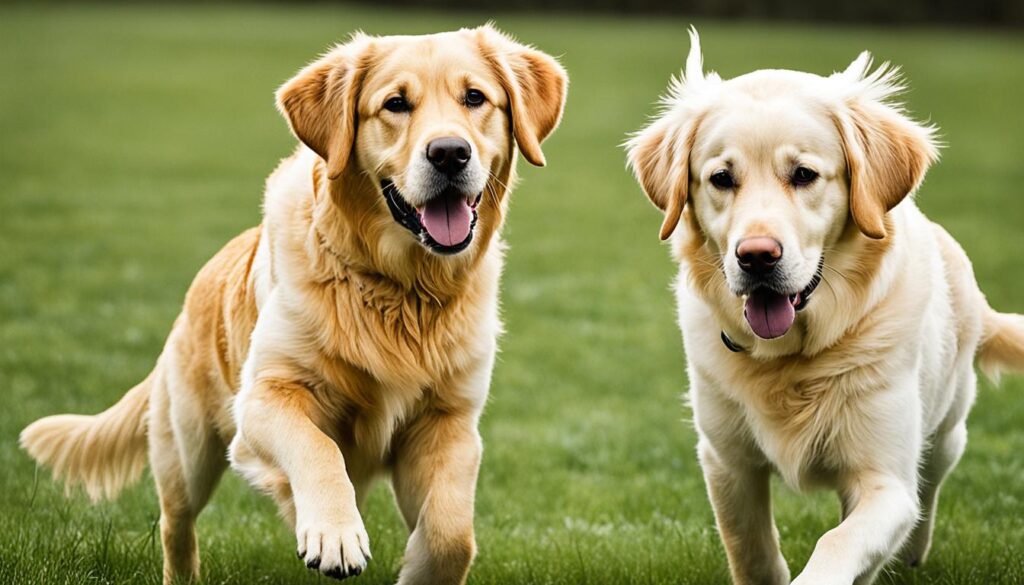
[771,314]
[443,224]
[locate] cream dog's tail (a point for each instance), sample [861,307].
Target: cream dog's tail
[103,453]
[1002,344]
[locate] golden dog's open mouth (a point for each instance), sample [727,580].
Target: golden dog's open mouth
[444,224]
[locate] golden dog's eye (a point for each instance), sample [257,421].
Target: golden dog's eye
[803,176]
[474,98]
[397,104]
[722,179]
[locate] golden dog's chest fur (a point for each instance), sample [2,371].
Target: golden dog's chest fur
[386,352]
[391,353]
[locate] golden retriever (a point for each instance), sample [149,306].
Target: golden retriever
[351,335]
[831,330]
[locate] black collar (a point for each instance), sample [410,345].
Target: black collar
[731,345]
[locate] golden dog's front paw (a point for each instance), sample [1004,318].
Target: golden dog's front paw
[337,550]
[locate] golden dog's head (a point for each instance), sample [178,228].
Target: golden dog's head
[771,167]
[431,121]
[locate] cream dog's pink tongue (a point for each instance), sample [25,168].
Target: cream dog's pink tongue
[447,219]
[769,313]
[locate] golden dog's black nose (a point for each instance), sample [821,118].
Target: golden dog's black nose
[758,255]
[449,155]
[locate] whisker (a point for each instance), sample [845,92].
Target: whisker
[499,181]
[494,197]
[832,289]
[839,273]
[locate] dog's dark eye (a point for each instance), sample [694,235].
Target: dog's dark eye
[722,179]
[474,98]
[397,104]
[803,176]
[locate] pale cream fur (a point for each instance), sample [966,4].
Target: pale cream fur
[868,393]
[328,347]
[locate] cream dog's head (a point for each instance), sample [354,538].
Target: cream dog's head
[769,168]
[431,120]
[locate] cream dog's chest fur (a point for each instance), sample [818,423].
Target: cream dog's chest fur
[806,423]
[816,417]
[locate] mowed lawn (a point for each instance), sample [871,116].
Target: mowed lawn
[134,142]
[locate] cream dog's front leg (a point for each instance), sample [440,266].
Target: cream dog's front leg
[738,481]
[883,510]
[880,494]
[741,498]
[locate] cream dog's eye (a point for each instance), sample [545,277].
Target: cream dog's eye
[474,98]
[803,176]
[397,104]
[722,179]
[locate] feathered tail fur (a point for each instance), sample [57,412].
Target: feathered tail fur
[1002,344]
[103,453]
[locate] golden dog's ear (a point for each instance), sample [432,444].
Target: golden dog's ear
[320,102]
[660,153]
[887,153]
[536,87]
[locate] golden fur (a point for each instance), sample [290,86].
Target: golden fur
[328,347]
[868,392]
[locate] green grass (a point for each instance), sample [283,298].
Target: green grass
[134,142]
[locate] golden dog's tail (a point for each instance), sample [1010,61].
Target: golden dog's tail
[103,453]
[1002,344]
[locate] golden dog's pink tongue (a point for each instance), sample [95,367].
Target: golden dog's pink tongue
[769,314]
[447,218]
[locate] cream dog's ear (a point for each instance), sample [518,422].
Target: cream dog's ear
[887,153]
[660,158]
[660,153]
[536,86]
[320,102]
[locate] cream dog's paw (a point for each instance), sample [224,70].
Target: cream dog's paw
[337,550]
[811,579]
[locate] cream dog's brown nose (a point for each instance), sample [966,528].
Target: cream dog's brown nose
[758,255]
[449,155]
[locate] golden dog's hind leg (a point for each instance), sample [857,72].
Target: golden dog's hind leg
[187,459]
[435,481]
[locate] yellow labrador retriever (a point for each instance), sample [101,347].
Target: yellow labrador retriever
[353,333]
[831,329]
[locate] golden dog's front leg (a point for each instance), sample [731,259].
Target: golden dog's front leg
[275,426]
[435,482]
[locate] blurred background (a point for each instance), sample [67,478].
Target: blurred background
[996,13]
[134,142]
